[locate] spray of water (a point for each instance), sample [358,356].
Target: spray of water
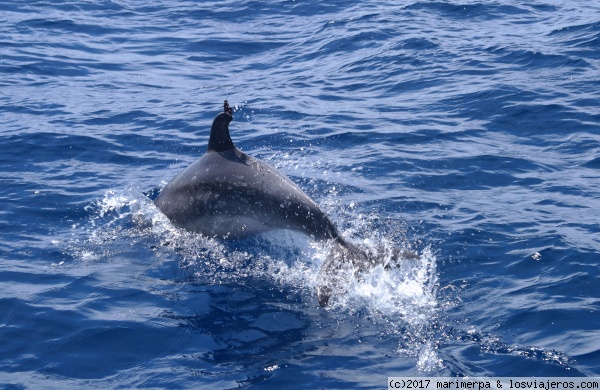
[401,301]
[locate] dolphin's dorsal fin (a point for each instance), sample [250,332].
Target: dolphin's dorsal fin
[220,141]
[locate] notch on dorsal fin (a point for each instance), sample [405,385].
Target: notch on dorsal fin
[220,141]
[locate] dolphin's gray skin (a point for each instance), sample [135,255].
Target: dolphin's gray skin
[227,193]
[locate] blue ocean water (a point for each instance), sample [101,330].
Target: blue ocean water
[466,131]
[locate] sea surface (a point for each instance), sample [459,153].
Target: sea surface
[468,132]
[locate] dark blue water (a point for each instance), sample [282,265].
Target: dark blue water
[467,131]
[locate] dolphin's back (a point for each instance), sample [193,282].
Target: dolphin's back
[231,194]
[227,193]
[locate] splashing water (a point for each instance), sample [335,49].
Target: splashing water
[401,301]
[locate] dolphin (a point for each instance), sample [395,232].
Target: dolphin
[229,194]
